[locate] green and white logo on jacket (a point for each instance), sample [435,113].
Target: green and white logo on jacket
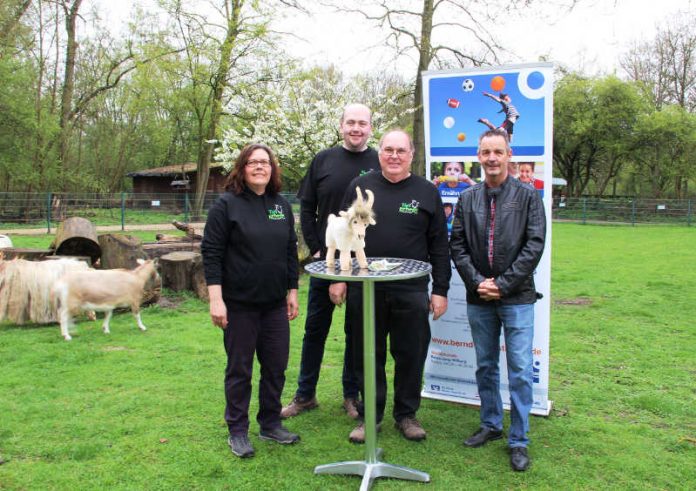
[276,213]
[409,208]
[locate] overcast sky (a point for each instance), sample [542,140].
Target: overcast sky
[591,38]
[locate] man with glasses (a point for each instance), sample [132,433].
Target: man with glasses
[411,224]
[321,194]
[498,236]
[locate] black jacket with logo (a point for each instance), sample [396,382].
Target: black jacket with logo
[250,248]
[323,186]
[519,236]
[411,224]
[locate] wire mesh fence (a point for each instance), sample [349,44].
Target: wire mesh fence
[47,210]
[625,210]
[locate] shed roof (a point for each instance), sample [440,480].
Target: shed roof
[171,170]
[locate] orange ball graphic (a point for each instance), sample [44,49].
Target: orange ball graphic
[461,137]
[498,83]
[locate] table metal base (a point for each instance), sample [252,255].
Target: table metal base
[372,470]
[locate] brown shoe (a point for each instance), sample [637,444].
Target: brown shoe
[358,433]
[350,405]
[297,406]
[411,429]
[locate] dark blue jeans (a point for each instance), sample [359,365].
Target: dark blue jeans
[319,314]
[517,324]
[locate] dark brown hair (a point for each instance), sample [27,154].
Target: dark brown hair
[235,179]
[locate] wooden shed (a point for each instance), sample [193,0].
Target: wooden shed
[178,177]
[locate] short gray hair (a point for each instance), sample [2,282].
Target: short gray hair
[496,132]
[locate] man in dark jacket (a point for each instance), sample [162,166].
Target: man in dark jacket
[497,240]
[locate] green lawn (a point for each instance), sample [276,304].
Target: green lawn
[136,410]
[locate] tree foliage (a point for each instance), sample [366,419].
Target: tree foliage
[297,114]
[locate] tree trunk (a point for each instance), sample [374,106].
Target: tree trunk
[425,55]
[77,236]
[68,90]
[219,82]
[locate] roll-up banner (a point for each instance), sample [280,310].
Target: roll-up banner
[459,105]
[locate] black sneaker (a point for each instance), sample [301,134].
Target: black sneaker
[240,446]
[279,434]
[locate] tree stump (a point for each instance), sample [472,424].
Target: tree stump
[77,236]
[198,284]
[156,249]
[177,269]
[120,251]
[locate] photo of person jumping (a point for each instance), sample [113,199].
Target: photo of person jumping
[511,113]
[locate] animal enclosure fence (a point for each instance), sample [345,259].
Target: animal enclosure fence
[35,210]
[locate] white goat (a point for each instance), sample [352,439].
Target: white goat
[103,291]
[346,232]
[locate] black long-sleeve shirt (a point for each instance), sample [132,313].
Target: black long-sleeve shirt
[250,248]
[411,224]
[323,187]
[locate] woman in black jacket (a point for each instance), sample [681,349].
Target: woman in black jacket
[250,258]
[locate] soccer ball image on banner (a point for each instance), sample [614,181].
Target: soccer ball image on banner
[468,85]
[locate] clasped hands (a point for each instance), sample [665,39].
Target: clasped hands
[488,290]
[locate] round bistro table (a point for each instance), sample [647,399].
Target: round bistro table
[370,468]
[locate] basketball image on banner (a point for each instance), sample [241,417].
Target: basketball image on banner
[459,106]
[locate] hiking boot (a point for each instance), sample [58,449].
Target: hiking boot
[358,433]
[350,405]
[240,446]
[279,434]
[298,405]
[411,429]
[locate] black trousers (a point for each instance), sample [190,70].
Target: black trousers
[402,316]
[266,333]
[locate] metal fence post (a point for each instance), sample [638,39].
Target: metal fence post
[187,207]
[688,213]
[123,211]
[633,213]
[48,212]
[584,211]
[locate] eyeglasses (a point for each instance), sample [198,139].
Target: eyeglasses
[257,163]
[400,152]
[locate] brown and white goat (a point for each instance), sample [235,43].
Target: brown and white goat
[102,291]
[346,232]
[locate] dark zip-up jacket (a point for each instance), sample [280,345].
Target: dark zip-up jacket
[519,236]
[250,248]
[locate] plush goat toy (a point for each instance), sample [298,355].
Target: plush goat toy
[102,291]
[346,232]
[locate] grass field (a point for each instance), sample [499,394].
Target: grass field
[136,410]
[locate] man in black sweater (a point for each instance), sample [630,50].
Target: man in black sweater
[411,224]
[321,194]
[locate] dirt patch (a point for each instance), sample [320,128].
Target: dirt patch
[574,301]
[114,348]
[168,303]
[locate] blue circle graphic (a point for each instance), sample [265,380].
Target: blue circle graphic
[535,80]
